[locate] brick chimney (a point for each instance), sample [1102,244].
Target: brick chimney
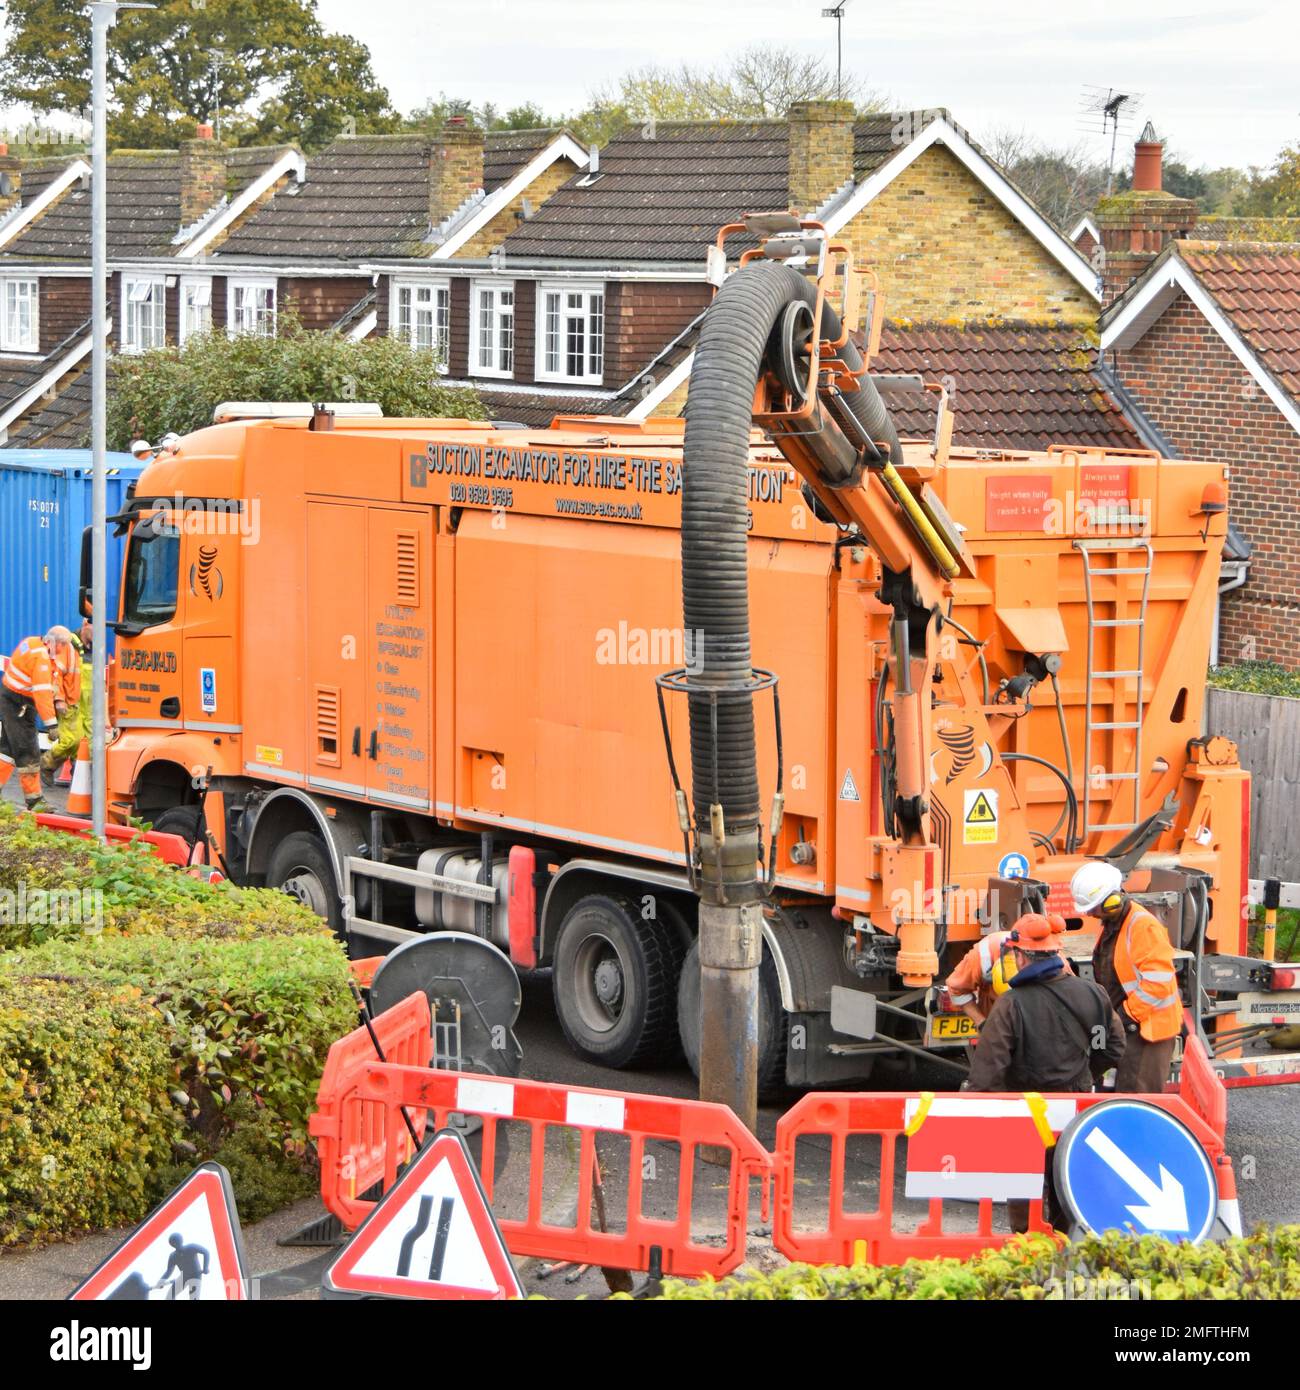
[455,168]
[203,175]
[1136,226]
[821,151]
[11,180]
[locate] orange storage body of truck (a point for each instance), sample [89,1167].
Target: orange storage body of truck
[429,648]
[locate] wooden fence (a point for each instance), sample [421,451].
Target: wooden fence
[1266,729]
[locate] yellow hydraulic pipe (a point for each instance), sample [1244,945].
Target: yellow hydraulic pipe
[933,541]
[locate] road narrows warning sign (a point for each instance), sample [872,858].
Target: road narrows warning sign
[432,1235]
[188,1249]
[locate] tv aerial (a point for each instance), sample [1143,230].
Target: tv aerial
[1106,111]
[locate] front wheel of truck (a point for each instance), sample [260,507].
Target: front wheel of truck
[615,982]
[300,866]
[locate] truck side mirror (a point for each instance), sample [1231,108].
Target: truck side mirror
[87,571]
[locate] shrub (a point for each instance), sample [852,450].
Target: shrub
[85,1119]
[222,1003]
[1257,678]
[176,388]
[1265,1265]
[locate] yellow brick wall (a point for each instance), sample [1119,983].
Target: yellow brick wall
[945,249]
[488,238]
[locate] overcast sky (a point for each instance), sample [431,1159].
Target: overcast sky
[1219,83]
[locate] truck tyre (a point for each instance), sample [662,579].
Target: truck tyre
[615,982]
[183,821]
[773,1022]
[300,866]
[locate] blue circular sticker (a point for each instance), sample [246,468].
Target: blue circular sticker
[1013,865]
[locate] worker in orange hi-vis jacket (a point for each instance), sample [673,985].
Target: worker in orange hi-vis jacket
[1133,962]
[28,694]
[985,972]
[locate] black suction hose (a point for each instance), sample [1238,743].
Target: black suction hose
[715,577]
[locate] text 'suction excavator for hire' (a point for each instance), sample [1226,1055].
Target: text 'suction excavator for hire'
[430,689]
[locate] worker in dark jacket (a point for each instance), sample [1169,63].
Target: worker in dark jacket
[1051,1031]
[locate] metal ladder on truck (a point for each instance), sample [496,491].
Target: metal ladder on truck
[1094,553]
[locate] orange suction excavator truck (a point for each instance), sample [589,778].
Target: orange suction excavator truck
[421,672]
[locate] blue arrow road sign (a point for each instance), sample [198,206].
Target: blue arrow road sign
[1128,1166]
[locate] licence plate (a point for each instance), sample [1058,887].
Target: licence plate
[952,1027]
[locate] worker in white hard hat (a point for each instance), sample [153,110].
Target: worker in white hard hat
[1133,962]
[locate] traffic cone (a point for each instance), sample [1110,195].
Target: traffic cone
[63,778]
[79,796]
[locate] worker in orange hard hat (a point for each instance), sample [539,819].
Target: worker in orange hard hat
[1051,1030]
[1133,962]
[984,972]
[28,695]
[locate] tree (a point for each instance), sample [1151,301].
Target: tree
[1063,182]
[758,83]
[1274,192]
[270,68]
[176,388]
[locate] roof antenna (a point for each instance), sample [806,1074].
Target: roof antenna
[1104,110]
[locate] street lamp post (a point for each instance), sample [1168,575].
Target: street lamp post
[103,15]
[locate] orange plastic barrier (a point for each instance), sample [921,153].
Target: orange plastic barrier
[172,849]
[688,1124]
[849,1236]
[364,1105]
[361,1142]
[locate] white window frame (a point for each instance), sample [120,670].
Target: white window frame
[31,341]
[133,316]
[234,287]
[552,337]
[501,316]
[190,284]
[427,306]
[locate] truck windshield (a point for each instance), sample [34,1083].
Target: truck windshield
[152,573]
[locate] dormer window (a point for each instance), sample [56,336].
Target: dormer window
[571,333]
[196,307]
[144,312]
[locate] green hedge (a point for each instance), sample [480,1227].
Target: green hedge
[195,1019]
[1257,678]
[1265,1265]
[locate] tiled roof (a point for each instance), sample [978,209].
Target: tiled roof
[364,196]
[63,422]
[144,204]
[1257,285]
[1014,386]
[506,152]
[537,411]
[664,188]
[1247,229]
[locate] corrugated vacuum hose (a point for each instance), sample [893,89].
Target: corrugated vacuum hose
[735,336]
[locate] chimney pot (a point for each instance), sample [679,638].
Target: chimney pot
[1148,158]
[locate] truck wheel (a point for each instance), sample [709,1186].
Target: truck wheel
[300,866]
[615,982]
[773,1022]
[183,821]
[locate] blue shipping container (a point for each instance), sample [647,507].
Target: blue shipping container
[45,505]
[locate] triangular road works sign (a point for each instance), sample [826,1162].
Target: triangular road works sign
[432,1235]
[189,1248]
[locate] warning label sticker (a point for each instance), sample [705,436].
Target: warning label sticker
[848,787]
[980,818]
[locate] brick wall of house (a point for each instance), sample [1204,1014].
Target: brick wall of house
[943,247]
[322,301]
[642,318]
[1202,399]
[489,237]
[64,307]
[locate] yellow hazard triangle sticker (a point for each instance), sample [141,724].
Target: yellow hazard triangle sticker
[979,816]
